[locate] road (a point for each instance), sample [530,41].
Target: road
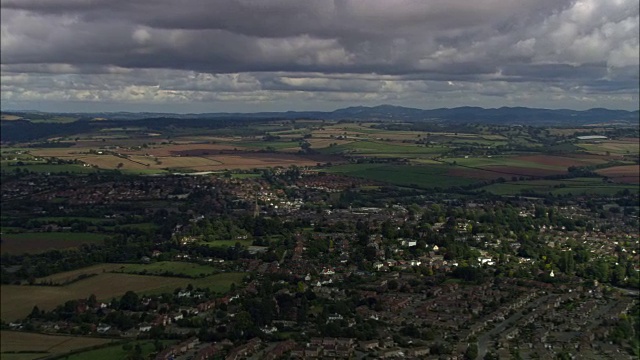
[483,340]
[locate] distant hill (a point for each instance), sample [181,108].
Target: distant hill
[20,128]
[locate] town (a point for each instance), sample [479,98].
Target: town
[297,263]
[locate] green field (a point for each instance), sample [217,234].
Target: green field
[277,145]
[55,119]
[117,351]
[35,242]
[502,161]
[50,168]
[426,176]
[384,149]
[576,186]
[246,176]
[72,219]
[227,243]
[174,267]
[17,301]
[143,171]
[616,147]
[138,226]
[27,346]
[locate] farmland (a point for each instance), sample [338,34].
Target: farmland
[227,243]
[23,346]
[623,174]
[618,147]
[382,149]
[18,300]
[35,242]
[481,151]
[116,351]
[425,176]
[454,205]
[195,157]
[67,276]
[577,186]
[168,268]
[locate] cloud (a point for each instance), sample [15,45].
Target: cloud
[364,51]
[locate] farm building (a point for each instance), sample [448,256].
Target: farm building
[592,137]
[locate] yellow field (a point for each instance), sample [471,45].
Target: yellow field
[197,157]
[319,143]
[9,117]
[617,147]
[67,276]
[17,301]
[13,341]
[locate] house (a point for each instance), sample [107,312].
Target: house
[368,344]
[391,353]
[184,294]
[103,328]
[328,271]
[419,351]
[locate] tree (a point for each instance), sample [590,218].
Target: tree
[392,285]
[129,301]
[472,352]
[35,313]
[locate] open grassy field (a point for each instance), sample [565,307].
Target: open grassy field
[227,243]
[520,165]
[425,176]
[194,157]
[116,351]
[506,161]
[32,242]
[277,145]
[9,117]
[174,267]
[34,346]
[64,277]
[558,187]
[623,174]
[17,301]
[385,149]
[59,219]
[246,176]
[49,168]
[137,226]
[612,147]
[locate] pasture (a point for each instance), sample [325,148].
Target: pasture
[190,157]
[176,268]
[64,277]
[384,149]
[424,176]
[626,146]
[227,243]
[49,168]
[527,165]
[37,242]
[622,174]
[116,351]
[25,345]
[17,301]
[576,186]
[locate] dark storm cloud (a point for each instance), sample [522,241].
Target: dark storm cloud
[269,49]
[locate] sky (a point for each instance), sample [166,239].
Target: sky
[192,56]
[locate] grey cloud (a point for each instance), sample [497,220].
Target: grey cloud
[334,50]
